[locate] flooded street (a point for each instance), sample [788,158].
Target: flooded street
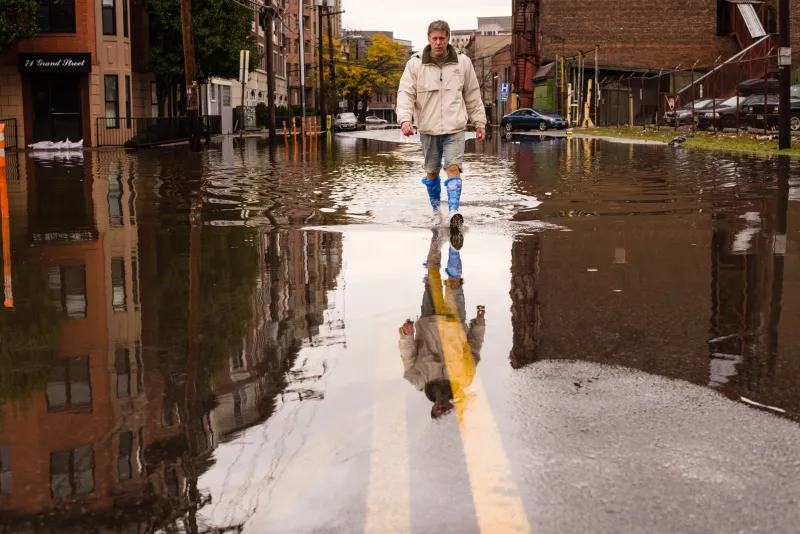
[218,342]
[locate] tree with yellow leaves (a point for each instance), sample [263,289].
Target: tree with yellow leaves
[379,70]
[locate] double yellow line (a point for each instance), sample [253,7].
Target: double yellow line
[495,495]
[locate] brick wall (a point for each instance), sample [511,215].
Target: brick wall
[83,40]
[11,106]
[631,32]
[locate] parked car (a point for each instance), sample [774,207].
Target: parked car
[683,115]
[375,120]
[756,113]
[530,119]
[726,113]
[345,121]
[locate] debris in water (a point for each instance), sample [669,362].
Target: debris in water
[759,405]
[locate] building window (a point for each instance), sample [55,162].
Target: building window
[112,100]
[124,467]
[67,286]
[56,16]
[226,95]
[128,101]
[213,93]
[137,354]
[5,470]
[124,18]
[379,98]
[122,367]
[262,58]
[140,452]
[153,99]
[69,386]
[109,17]
[135,281]
[275,64]
[132,204]
[115,199]
[771,21]
[72,472]
[118,299]
[237,361]
[389,98]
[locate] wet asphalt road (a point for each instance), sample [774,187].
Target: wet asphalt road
[214,343]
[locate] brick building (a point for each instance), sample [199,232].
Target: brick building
[482,49]
[77,69]
[634,38]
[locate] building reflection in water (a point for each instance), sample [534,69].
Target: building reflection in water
[748,256]
[95,430]
[636,294]
[525,313]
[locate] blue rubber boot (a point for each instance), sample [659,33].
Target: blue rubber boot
[434,192]
[453,186]
[454,269]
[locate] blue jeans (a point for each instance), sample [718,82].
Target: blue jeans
[449,147]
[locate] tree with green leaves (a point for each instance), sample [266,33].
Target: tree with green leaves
[380,70]
[17,22]
[221,29]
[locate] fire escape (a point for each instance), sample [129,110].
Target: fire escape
[526,48]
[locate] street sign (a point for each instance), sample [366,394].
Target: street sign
[505,88]
[671,102]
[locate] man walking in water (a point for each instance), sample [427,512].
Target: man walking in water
[440,90]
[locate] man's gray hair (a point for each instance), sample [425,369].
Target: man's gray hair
[439,26]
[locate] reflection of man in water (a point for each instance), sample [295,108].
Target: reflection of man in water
[441,358]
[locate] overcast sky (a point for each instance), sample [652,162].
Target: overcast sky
[409,19]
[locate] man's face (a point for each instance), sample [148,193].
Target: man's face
[438,41]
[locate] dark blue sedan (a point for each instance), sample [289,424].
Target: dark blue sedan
[531,119]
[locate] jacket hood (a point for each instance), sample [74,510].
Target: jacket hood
[452,55]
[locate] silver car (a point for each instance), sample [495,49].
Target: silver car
[345,121]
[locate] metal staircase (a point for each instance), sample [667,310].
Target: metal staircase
[746,26]
[526,48]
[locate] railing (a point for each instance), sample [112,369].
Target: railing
[148,131]
[722,80]
[11,132]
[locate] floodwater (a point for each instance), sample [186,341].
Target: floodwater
[215,342]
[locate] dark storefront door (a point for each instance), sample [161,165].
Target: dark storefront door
[57,107]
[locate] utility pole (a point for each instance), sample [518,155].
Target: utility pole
[323,108]
[330,53]
[269,13]
[244,65]
[785,68]
[191,83]
[302,59]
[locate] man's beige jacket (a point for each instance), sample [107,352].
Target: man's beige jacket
[440,100]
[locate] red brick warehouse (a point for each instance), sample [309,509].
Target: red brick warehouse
[634,38]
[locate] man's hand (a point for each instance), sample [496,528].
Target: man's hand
[407,128]
[407,328]
[480,134]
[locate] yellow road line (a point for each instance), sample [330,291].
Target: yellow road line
[388,508]
[498,505]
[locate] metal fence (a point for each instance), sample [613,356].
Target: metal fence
[148,131]
[11,132]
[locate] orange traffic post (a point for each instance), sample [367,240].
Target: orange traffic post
[285,132]
[3,146]
[8,302]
